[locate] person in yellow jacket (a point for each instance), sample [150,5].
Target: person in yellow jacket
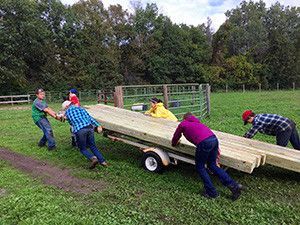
[159,111]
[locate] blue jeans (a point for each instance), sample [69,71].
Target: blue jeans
[206,153]
[45,126]
[84,138]
[283,138]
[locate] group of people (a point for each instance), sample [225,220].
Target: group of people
[207,145]
[82,125]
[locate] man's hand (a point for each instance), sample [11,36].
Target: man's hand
[99,129]
[178,143]
[60,118]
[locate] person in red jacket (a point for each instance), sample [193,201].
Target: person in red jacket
[73,97]
[207,146]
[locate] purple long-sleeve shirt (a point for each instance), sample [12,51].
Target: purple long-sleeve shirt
[193,130]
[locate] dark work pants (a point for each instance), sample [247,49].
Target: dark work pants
[45,126]
[85,139]
[283,138]
[206,153]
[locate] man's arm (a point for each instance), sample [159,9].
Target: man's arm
[51,112]
[253,130]
[177,135]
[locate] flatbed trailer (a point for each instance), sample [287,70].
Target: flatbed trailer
[153,136]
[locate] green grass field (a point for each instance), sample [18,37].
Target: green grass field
[135,196]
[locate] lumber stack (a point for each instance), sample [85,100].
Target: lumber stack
[236,152]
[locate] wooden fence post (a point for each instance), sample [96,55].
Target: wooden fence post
[243,87]
[118,97]
[207,98]
[226,88]
[259,87]
[166,98]
[277,86]
[294,86]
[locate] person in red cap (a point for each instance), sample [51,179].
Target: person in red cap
[272,124]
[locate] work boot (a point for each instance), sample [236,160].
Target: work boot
[52,148]
[41,144]
[205,195]
[94,162]
[236,191]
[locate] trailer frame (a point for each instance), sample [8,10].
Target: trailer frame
[155,158]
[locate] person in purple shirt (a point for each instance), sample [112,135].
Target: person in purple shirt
[206,153]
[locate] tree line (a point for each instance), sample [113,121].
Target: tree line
[45,43]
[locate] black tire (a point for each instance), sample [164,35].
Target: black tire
[152,162]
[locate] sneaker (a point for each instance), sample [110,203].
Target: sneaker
[105,164]
[94,162]
[236,191]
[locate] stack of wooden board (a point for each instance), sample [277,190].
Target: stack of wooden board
[236,152]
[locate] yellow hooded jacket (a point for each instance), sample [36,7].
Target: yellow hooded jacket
[161,112]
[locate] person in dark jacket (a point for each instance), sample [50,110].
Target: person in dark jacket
[272,124]
[206,153]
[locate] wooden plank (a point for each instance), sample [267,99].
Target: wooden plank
[275,155]
[229,147]
[152,122]
[231,159]
[155,133]
[268,148]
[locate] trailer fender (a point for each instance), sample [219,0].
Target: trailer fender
[161,153]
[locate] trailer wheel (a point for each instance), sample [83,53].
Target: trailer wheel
[152,162]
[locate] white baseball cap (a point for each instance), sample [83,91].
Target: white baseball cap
[65,104]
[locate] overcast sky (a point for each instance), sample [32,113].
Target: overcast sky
[192,12]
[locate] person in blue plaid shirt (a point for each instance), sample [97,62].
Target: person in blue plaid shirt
[83,127]
[272,124]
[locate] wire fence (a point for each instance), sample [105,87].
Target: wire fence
[259,87]
[178,98]
[59,96]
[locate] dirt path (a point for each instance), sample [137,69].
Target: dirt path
[51,175]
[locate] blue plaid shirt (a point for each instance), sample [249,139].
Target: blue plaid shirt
[268,124]
[79,118]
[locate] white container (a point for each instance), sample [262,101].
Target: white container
[139,107]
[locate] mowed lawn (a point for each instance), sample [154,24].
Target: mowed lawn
[135,196]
